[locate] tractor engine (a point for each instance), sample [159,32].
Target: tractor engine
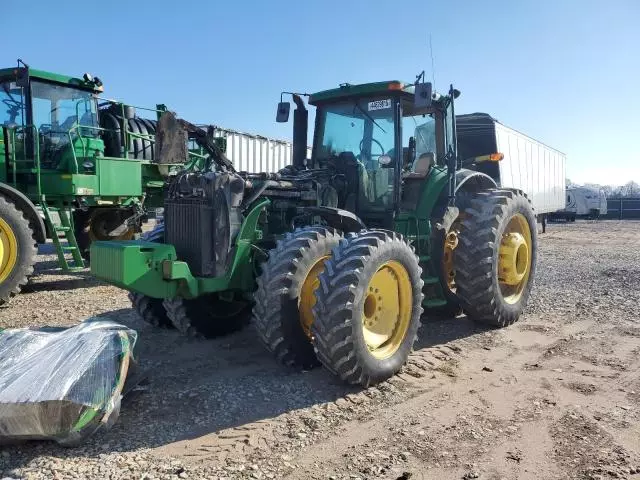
[203,213]
[204,210]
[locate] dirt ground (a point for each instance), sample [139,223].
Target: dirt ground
[555,396]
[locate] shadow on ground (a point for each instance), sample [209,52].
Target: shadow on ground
[197,387]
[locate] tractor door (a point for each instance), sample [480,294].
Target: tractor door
[65,118]
[12,121]
[422,148]
[357,137]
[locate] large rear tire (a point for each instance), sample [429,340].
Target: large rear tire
[495,260]
[368,308]
[282,312]
[208,316]
[18,250]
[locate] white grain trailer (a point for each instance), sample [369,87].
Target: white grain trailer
[528,164]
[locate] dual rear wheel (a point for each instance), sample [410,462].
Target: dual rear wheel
[351,303]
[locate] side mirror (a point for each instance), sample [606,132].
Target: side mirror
[423,95]
[385,161]
[283,112]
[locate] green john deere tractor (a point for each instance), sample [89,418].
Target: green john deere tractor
[336,257]
[72,165]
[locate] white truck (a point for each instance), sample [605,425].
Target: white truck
[526,163]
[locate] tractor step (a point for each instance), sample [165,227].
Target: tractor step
[76,262]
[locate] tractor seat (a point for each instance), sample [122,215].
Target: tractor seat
[422,166]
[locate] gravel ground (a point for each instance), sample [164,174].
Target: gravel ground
[556,396]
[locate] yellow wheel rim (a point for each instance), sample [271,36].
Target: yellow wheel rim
[386,315]
[307,298]
[514,259]
[8,250]
[450,244]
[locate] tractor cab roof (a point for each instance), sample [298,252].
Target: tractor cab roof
[347,90]
[65,80]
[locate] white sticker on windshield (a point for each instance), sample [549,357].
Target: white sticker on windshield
[380,104]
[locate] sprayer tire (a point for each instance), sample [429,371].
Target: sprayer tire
[19,250]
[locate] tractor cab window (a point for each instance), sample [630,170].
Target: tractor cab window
[352,136]
[61,115]
[11,104]
[418,138]
[63,109]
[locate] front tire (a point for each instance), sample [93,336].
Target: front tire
[207,316]
[495,260]
[282,312]
[151,310]
[18,250]
[368,308]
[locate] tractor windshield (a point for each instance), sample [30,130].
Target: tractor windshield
[357,133]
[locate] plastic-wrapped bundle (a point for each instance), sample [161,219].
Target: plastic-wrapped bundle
[62,384]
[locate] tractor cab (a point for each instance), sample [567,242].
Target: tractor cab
[381,141]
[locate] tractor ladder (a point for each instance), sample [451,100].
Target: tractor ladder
[69,257]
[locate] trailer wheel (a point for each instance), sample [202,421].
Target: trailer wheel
[18,250]
[284,300]
[208,316]
[496,257]
[368,308]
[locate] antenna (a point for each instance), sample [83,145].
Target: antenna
[433,67]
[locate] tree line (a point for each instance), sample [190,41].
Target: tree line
[629,189]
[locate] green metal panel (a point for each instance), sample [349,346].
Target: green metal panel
[77,152]
[59,183]
[54,77]
[119,176]
[134,265]
[353,90]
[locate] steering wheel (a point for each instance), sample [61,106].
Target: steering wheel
[373,140]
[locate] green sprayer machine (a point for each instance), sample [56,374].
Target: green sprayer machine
[335,258]
[72,165]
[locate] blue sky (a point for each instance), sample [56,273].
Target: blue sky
[563,71]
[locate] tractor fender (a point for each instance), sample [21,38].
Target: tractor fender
[472,181]
[339,219]
[29,210]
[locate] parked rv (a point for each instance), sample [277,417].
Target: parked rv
[582,202]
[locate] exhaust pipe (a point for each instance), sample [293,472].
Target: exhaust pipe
[300,128]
